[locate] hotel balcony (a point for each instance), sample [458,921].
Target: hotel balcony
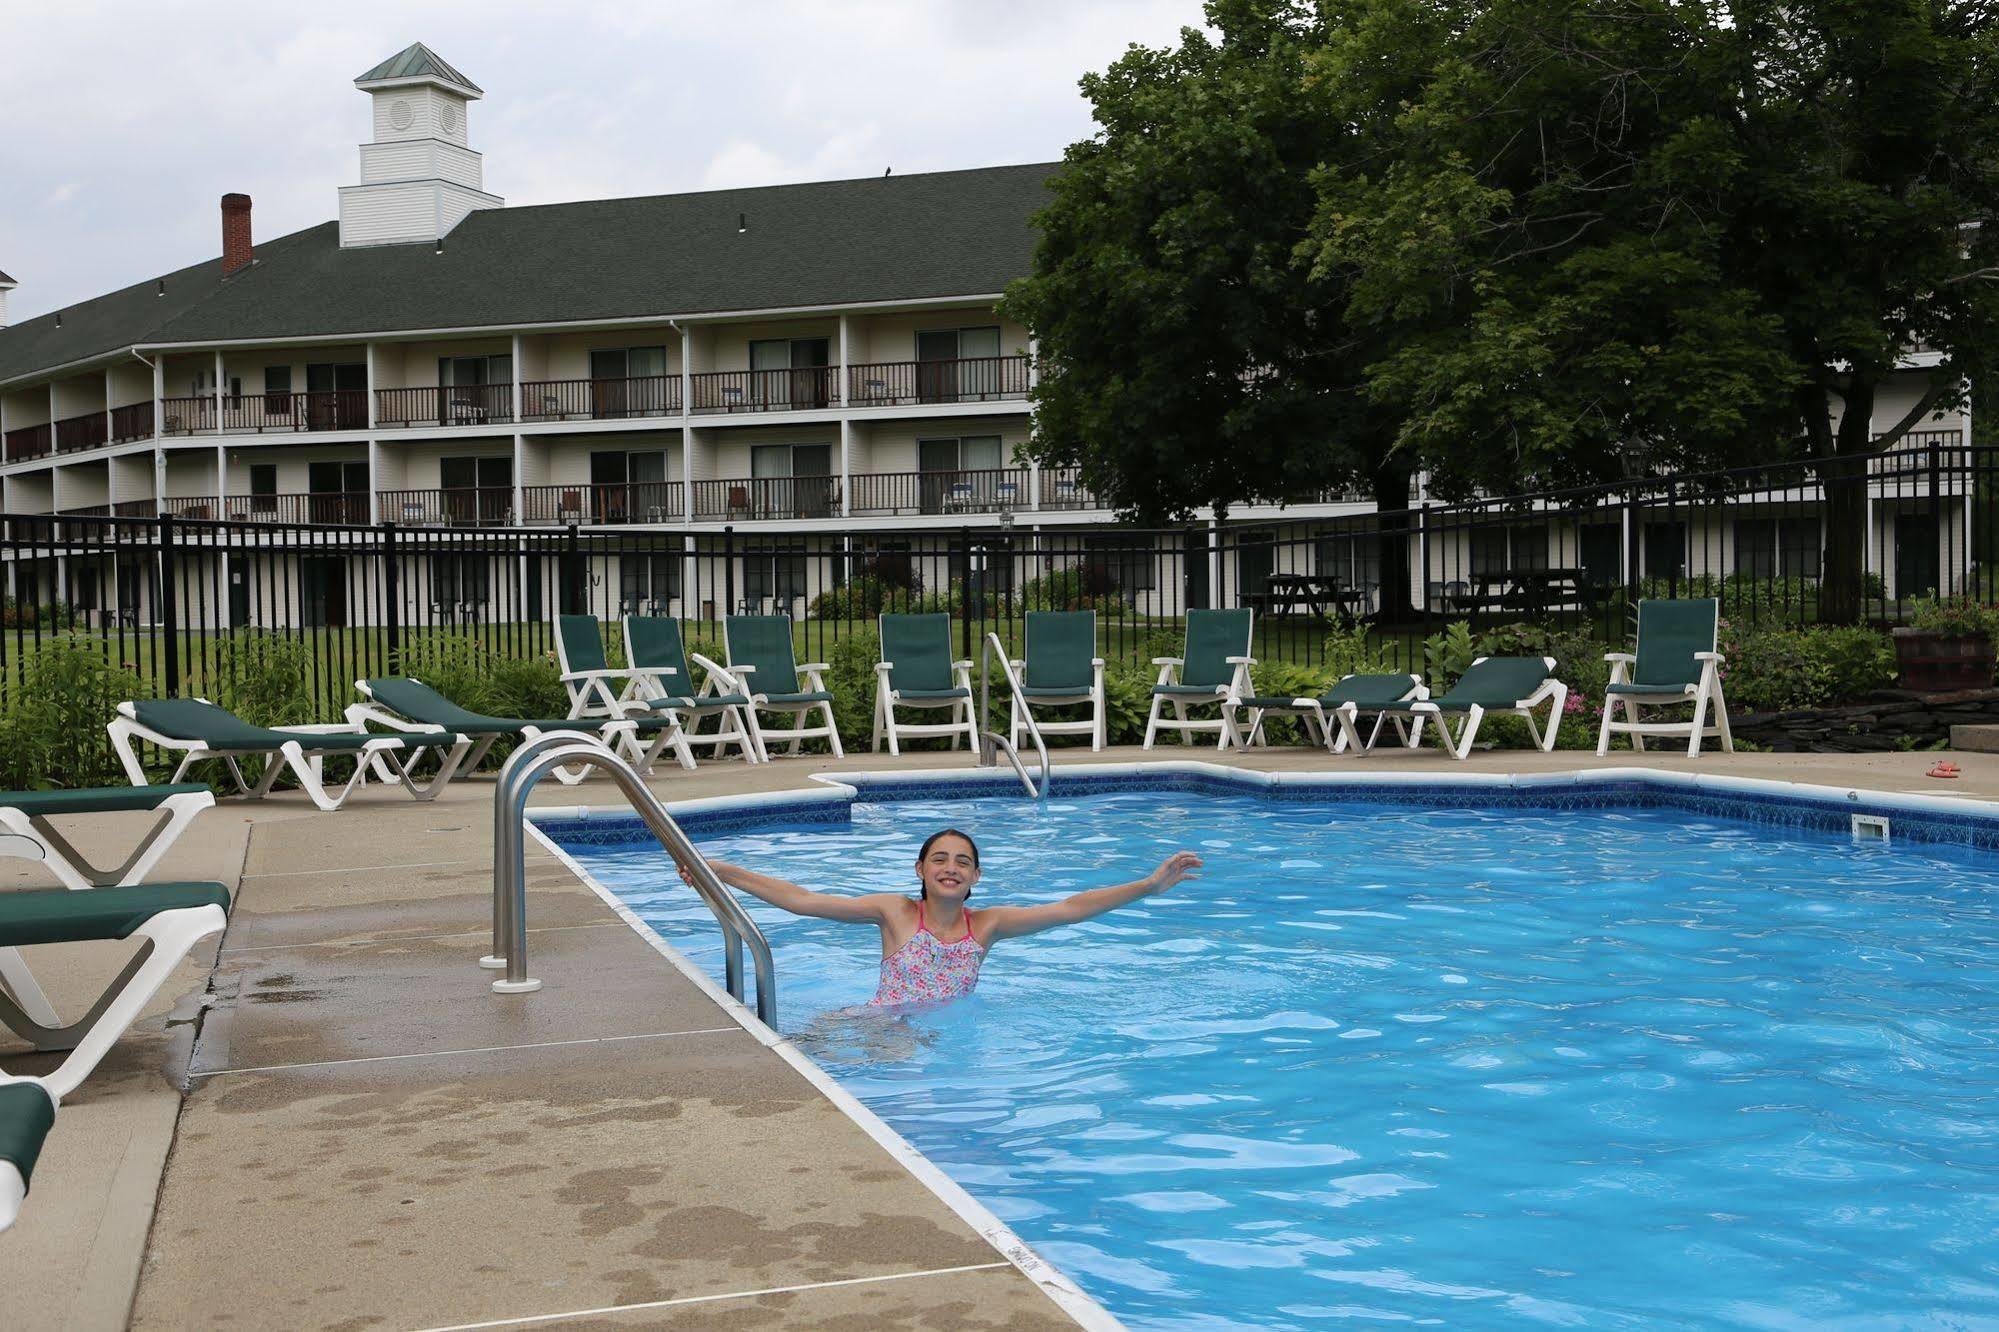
[587,505]
[35,441]
[77,433]
[456,405]
[458,506]
[908,383]
[318,507]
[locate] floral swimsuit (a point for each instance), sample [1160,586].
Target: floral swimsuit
[926,969]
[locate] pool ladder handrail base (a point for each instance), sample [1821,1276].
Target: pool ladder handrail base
[525,767]
[991,742]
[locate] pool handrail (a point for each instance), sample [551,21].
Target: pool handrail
[991,742]
[526,767]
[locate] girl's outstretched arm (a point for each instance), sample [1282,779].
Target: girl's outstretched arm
[800,901]
[1012,922]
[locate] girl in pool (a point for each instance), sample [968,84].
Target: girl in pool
[932,944]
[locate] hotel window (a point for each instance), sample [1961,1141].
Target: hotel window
[648,584]
[954,364]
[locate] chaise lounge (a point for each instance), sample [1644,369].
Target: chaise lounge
[1514,685]
[26,815]
[404,703]
[1331,718]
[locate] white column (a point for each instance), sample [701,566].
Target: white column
[517,392]
[159,476]
[846,425]
[53,444]
[371,395]
[218,391]
[108,432]
[159,394]
[374,474]
[520,450]
[1033,464]
[221,482]
[686,424]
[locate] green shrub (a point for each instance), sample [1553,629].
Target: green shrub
[1448,655]
[264,678]
[1956,617]
[1781,669]
[1351,650]
[850,678]
[52,615]
[53,734]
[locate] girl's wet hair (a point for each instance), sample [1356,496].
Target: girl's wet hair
[923,853]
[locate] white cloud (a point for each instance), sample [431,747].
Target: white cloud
[140,117]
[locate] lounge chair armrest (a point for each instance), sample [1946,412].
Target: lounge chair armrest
[964,665]
[1715,657]
[884,667]
[714,667]
[1169,661]
[327,728]
[1626,658]
[616,673]
[1097,662]
[815,667]
[1240,661]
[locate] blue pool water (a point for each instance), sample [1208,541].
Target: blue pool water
[1472,1068]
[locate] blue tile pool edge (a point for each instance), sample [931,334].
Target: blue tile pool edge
[1935,820]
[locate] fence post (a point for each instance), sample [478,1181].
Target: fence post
[392,598]
[965,589]
[1194,593]
[1944,577]
[169,609]
[573,599]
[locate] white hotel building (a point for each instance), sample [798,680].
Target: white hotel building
[819,360]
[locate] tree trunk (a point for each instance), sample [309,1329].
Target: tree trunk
[1843,477]
[1390,484]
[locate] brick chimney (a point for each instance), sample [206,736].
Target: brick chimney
[236,250]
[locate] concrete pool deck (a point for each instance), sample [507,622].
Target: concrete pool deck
[369,1138]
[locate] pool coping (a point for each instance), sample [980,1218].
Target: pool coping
[1935,819]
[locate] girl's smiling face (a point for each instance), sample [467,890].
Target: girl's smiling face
[948,867]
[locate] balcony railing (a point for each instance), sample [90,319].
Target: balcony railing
[767,497]
[1063,488]
[33,441]
[191,506]
[971,379]
[324,409]
[625,502]
[459,405]
[764,390]
[984,491]
[132,422]
[458,506]
[188,416]
[76,433]
[326,506]
[600,399]
[139,508]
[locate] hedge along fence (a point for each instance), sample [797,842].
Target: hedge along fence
[52,728]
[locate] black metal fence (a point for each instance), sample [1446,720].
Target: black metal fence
[165,596]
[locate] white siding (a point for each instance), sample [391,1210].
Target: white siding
[420,159]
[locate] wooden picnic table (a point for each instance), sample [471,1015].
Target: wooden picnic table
[1534,591]
[1314,595]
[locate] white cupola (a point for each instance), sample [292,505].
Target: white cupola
[418,178]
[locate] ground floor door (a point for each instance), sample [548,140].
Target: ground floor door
[239,595]
[323,591]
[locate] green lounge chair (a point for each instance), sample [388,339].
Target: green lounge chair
[168,920]
[1214,670]
[1330,718]
[1675,663]
[25,815]
[762,668]
[917,671]
[660,678]
[596,688]
[1061,668]
[1515,685]
[202,731]
[27,1113]
[404,703]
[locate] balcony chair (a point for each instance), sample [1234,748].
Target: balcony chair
[1330,718]
[916,671]
[761,666]
[202,731]
[1215,669]
[1515,685]
[1675,663]
[25,830]
[1061,668]
[660,679]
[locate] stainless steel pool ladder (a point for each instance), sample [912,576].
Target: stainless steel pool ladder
[991,743]
[526,766]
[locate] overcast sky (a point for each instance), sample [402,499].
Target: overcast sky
[125,122]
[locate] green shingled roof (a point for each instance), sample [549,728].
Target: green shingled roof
[417,61]
[945,234]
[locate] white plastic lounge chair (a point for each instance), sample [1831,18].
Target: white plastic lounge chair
[916,671]
[403,703]
[202,731]
[168,919]
[1061,668]
[763,668]
[26,815]
[1515,685]
[660,679]
[1675,663]
[1215,670]
[1331,718]
[596,688]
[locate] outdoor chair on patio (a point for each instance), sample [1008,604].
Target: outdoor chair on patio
[917,671]
[26,815]
[596,688]
[1331,719]
[1515,685]
[763,667]
[168,919]
[660,679]
[1676,663]
[404,703]
[1061,668]
[202,731]
[1214,670]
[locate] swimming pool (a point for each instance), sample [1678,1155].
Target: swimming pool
[1388,1061]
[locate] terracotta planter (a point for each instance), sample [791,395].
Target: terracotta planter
[1932,663]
